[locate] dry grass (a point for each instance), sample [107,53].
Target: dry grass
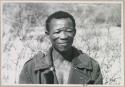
[98,35]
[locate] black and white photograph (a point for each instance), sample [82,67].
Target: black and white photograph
[62,43]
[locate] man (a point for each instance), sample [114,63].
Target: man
[63,64]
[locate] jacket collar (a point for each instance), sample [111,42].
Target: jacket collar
[42,61]
[79,60]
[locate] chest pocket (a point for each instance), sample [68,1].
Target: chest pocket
[88,74]
[80,76]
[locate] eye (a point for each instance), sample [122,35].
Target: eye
[69,31]
[56,32]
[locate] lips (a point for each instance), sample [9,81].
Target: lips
[64,43]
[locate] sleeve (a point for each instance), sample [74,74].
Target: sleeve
[99,78]
[97,75]
[24,77]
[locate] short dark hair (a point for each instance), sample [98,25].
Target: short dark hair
[59,15]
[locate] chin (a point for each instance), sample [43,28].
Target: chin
[63,49]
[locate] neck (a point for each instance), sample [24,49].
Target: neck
[66,54]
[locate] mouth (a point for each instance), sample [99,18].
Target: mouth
[64,43]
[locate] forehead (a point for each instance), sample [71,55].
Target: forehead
[60,23]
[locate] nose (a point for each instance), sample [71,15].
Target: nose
[63,35]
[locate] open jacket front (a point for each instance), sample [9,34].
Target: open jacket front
[38,70]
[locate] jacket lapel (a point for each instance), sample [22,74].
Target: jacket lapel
[81,64]
[78,77]
[44,68]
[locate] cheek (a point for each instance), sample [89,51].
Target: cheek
[53,38]
[71,35]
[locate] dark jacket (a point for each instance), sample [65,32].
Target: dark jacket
[85,70]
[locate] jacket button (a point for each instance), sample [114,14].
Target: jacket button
[75,68]
[52,68]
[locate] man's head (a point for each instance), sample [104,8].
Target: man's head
[61,30]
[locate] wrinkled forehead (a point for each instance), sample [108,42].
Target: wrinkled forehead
[61,23]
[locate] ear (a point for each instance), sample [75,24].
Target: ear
[46,32]
[74,32]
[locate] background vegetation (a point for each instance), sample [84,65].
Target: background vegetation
[98,34]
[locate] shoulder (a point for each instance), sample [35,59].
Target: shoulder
[88,58]
[84,61]
[88,61]
[31,62]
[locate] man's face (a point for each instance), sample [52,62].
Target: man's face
[61,33]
